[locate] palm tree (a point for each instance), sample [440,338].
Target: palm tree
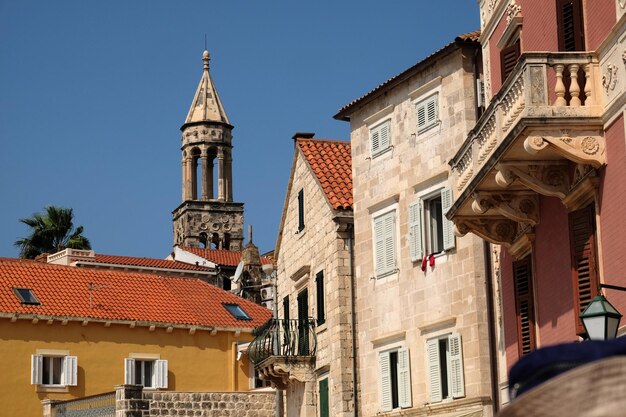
[51,232]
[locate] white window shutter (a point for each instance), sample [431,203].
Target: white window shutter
[375,136]
[457,383]
[431,110]
[404,378]
[385,136]
[385,381]
[379,245]
[70,370]
[129,371]
[390,241]
[434,371]
[421,116]
[449,241]
[160,372]
[416,245]
[36,369]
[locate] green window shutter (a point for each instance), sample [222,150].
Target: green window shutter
[404,378]
[300,210]
[319,286]
[416,245]
[457,382]
[70,370]
[36,369]
[449,240]
[434,371]
[129,371]
[160,374]
[385,381]
[323,403]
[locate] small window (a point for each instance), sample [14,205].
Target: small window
[26,296]
[385,243]
[395,379]
[445,367]
[151,373]
[508,59]
[300,210]
[427,113]
[54,370]
[236,311]
[319,286]
[430,232]
[380,138]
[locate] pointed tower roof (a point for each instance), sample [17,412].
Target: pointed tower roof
[206,105]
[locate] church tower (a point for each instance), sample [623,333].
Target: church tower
[207,217]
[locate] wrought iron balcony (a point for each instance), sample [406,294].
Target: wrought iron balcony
[284,350]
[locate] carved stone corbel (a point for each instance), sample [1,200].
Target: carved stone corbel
[581,149]
[498,231]
[522,207]
[546,178]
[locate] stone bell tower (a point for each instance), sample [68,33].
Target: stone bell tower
[207,217]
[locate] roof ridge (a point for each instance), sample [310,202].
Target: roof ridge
[343,142]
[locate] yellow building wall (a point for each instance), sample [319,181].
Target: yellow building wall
[196,362]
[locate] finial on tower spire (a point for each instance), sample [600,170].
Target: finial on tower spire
[206,58]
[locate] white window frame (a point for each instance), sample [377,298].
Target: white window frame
[420,239]
[68,371]
[382,131]
[429,108]
[454,364]
[385,264]
[403,379]
[158,379]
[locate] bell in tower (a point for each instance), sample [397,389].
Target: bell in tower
[207,217]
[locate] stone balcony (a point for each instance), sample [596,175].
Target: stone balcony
[284,350]
[542,134]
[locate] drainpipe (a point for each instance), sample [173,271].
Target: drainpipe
[491,323]
[350,230]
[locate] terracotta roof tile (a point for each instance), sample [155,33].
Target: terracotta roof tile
[222,256]
[144,262]
[331,162]
[64,291]
[471,37]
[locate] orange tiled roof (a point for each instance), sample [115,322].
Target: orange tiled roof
[63,291]
[471,37]
[222,256]
[144,262]
[331,161]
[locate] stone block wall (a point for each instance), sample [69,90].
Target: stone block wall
[225,404]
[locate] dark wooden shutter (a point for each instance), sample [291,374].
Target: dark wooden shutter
[584,265]
[324,405]
[508,58]
[319,286]
[286,309]
[303,322]
[301,210]
[522,276]
[570,25]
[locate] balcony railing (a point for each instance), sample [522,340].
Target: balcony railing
[287,338]
[543,86]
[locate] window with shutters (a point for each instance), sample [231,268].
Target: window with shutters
[324,405]
[584,260]
[151,373]
[524,305]
[445,367]
[319,292]
[395,379]
[570,27]
[300,210]
[54,370]
[380,138]
[427,113]
[430,232]
[385,244]
[508,59]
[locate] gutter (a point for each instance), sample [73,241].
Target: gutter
[350,230]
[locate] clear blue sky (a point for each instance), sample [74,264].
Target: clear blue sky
[93,93]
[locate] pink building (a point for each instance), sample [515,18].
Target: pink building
[542,172]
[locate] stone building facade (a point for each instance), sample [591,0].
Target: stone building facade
[207,217]
[315,283]
[423,314]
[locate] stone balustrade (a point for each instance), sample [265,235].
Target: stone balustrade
[544,87]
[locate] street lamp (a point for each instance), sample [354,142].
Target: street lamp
[601,319]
